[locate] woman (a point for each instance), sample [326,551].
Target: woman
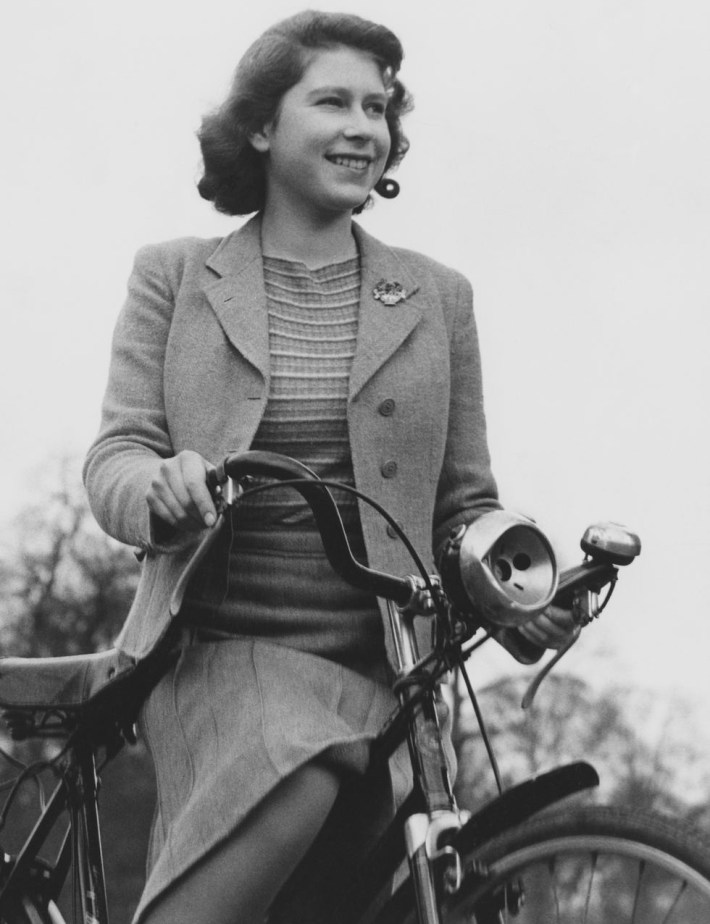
[302,334]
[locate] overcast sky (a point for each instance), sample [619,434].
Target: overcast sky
[559,158]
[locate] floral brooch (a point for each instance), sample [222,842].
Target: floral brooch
[389,293]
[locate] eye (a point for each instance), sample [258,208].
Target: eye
[377,108]
[334,101]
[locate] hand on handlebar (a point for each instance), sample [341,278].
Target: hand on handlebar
[179,496]
[552,628]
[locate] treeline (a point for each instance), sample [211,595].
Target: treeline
[65,588]
[647,751]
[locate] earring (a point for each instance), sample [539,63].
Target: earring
[387,188]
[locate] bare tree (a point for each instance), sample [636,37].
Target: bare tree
[569,722]
[65,586]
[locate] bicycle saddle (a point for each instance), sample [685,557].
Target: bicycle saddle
[65,683]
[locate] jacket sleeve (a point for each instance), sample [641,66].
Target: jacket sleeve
[133,437]
[466,486]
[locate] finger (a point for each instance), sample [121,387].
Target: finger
[200,502]
[563,618]
[170,487]
[165,503]
[556,625]
[533,634]
[163,510]
[549,631]
[553,630]
[171,492]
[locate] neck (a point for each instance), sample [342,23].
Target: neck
[313,241]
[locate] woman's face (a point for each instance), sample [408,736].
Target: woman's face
[328,145]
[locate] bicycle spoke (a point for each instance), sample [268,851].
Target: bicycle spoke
[637,893]
[552,870]
[594,878]
[590,886]
[676,902]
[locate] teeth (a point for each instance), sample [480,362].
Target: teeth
[358,163]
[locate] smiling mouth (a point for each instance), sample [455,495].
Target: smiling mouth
[352,162]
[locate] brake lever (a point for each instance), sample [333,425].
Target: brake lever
[531,691]
[225,494]
[582,615]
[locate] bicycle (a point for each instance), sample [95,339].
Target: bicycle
[517,858]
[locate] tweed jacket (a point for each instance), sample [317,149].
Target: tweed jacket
[190,370]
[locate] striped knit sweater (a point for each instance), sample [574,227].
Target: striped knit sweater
[313,318]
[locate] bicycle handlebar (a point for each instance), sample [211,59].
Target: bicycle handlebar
[592,574]
[238,466]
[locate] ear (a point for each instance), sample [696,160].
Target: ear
[260,140]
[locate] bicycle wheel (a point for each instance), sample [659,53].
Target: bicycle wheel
[588,866]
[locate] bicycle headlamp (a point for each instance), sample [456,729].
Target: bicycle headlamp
[501,567]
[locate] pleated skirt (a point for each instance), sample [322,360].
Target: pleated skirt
[283,663]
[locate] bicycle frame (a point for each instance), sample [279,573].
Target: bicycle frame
[415,832]
[429,829]
[423,830]
[76,795]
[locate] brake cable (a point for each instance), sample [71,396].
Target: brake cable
[420,675]
[338,485]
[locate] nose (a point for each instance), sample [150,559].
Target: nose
[358,125]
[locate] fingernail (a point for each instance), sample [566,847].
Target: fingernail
[209,519]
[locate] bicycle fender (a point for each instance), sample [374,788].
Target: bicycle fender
[518,804]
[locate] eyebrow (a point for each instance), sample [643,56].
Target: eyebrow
[333,88]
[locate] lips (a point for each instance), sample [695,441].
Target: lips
[352,161]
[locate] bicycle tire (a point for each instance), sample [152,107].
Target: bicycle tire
[596,865]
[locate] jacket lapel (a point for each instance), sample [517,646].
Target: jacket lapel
[238,297]
[382,328]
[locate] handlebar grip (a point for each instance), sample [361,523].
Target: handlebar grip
[590,575]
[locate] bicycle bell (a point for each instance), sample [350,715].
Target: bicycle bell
[611,542]
[501,566]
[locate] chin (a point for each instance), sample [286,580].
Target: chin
[348,202]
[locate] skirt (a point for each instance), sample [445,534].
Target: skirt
[302,678]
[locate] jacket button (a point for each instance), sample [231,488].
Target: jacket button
[389,469]
[386,408]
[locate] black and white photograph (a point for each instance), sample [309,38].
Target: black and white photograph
[355,470]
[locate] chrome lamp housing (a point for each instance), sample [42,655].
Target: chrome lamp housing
[501,568]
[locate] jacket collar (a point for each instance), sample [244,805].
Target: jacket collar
[238,298]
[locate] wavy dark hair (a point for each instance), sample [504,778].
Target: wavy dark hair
[234,177]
